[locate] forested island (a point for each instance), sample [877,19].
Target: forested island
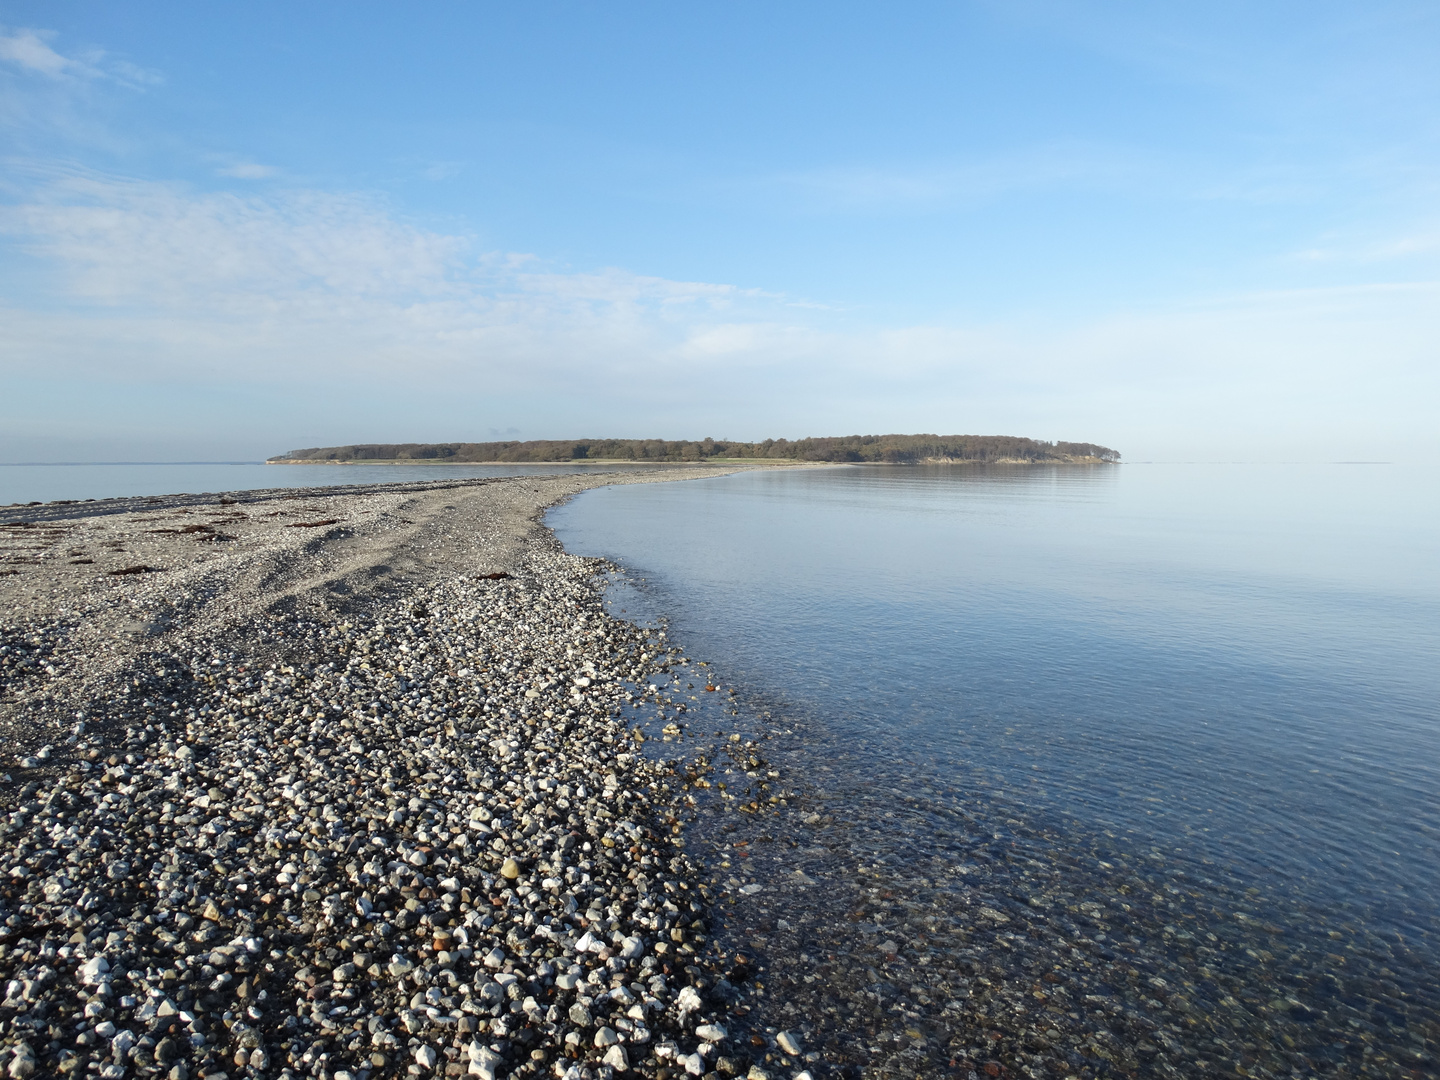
[879,449]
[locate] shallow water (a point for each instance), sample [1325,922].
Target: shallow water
[1133,770]
[23,483]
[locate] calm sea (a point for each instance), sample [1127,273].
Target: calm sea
[1132,769]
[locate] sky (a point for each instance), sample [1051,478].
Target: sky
[1189,231]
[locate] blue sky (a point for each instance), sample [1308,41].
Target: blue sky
[1184,230]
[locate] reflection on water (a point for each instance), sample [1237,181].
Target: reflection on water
[1128,770]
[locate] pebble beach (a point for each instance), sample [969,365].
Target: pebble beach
[339,783]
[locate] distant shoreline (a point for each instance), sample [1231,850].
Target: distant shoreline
[842,449]
[726,463]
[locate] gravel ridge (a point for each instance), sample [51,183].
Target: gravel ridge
[340,789]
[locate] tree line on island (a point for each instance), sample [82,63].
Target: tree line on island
[878,449]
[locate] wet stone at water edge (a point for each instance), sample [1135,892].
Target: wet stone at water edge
[910,930]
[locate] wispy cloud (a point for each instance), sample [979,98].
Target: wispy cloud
[335,278]
[121,241]
[1386,59]
[247,170]
[1421,239]
[930,184]
[30,51]
[27,49]
[965,182]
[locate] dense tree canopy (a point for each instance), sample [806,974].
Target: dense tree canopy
[893,449]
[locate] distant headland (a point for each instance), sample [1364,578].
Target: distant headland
[876,449]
